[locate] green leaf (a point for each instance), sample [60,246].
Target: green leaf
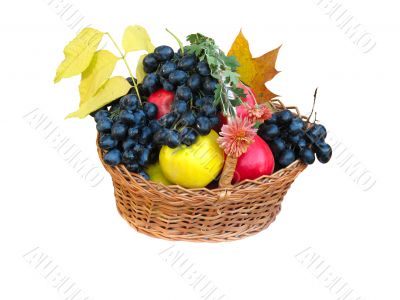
[78,53]
[112,89]
[140,73]
[98,72]
[232,62]
[136,38]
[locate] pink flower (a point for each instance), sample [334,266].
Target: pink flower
[237,136]
[258,113]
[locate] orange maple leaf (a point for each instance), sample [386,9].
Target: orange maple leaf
[255,72]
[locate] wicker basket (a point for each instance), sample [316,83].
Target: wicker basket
[202,215]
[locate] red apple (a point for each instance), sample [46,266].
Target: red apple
[257,161]
[163,99]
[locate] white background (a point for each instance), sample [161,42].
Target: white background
[46,204]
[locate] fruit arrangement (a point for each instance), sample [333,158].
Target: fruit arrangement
[192,117]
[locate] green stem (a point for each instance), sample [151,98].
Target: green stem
[123,56]
[176,39]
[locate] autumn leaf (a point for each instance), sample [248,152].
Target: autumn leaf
[255,72]
[136,38]
[79,53]
[112,89]
[96,74]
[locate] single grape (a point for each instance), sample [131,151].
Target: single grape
[113,157]
[150,63]
[284,117]
[164,53]
[203,69]
[107,142]
[178,77]
[277,146]
[188,136]
[209,85]
[268,132]
[101,114]
[160,137]
[167,68]
[208,110]
[194,82]
[150,109]
[129,102]
[180,106]
[302,143]
[127,117]
[128,144]
[119,131]
[318,131]
[154,125]
[307,156]
[203,125]
[324,153]
[187,62]
[183,93]
[139,117]
[128,156]
[296,126]
[294,139]
[168,120]
[145,135]
[286,157]
[151,83]
[104,125]
[188,119]
[172,139]
[166,85]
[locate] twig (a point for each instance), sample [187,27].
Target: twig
[315,99]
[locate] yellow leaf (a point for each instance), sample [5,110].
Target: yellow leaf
[136,38]
[99,70]
[140,73]
[255,72]
[78,53]
[112,89]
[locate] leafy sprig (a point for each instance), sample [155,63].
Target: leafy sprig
[223,69]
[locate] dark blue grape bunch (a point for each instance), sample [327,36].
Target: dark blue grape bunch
[193,112]
[290,138]
[126,130]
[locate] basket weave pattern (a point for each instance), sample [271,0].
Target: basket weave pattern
[202,215]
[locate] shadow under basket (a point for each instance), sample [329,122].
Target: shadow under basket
[223,214]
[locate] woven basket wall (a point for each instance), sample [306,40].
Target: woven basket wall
[202,215]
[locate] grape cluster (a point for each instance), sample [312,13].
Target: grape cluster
[289,139]
[126,132]
[192,110]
